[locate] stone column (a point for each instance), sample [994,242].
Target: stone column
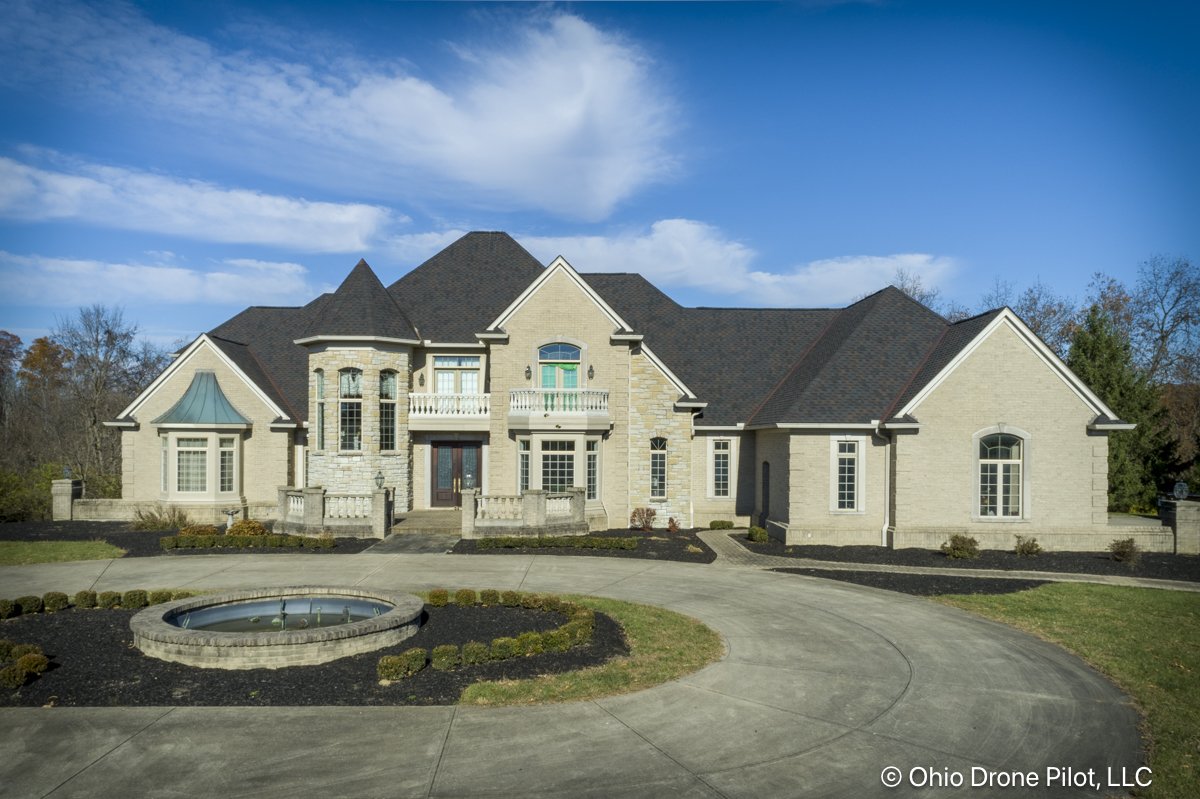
[468,512]
[578,505]
[1184,518]
[533,511]
[381,522]
[63,495]
[314,510]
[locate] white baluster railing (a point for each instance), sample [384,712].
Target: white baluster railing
[557,505]
[562,400]
[295,505]
[498,508]
[348,506]
[460,405]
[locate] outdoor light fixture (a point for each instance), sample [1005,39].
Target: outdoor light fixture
[1181,490]
[66,472]
[528,373]
[379,479]
[421,379]
[591,373]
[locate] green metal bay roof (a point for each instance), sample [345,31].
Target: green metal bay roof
[204,403]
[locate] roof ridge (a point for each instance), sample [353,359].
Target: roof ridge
[795,366]
[928,353]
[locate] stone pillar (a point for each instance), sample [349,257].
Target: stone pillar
[381,522]
[63,495]
[468,512]
[1184,518]
[314,510]
[533,508]
[578,504]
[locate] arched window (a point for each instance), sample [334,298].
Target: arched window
[1000,479]
[559,366]
[658,468]
[350,411]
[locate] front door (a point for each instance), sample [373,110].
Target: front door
[455,467]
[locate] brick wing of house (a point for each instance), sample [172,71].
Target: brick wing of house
[484,379]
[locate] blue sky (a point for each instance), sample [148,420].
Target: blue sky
[186,159]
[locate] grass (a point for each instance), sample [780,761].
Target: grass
[1145,640]
[23,553]
[663,645]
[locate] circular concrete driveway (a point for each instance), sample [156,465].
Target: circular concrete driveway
[824,685]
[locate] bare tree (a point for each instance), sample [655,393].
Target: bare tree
[914,286]
[1054,318]
[998,296]
[1167,317]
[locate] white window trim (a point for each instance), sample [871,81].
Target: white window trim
[710,488]
[237,466]
[599,469]
[860,494]
[1026,468]
[536,362]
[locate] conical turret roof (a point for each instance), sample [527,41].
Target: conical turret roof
[361,306]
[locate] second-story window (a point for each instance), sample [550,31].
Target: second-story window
[320,374]
[387,410]
[350,411]
[456,374]
[559,365]
[658,468]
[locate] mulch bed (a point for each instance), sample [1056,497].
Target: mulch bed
[922,584]
[654,545]
[94,664]
[145,543]
[1152,565]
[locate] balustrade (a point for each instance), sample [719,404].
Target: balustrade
[561,400]
[461,405]
[498,508]
[348,506]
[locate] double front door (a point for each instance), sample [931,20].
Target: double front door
[455,468]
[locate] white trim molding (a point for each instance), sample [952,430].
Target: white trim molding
[1026,470]
[367,339]
[559,264]
[860,468]
[662,367]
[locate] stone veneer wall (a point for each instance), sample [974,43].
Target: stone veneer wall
[354,472]
[652,414]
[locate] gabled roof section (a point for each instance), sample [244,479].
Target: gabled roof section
[456,293]
[557,266]
[204,403]
[360,308]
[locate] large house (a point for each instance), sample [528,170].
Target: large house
[484,374]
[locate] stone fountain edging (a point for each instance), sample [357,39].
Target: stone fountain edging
[154,636]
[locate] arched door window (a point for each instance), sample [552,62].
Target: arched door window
[559,366]
[1000,462]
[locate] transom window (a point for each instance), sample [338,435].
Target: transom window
[191,464]
[558,465]
[350,411]
[456,374]
[658,468]
[1000,461]
[559,364]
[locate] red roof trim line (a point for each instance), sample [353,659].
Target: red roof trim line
[887,415]
[795,366]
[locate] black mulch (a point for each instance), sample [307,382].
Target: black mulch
[922,584]
[94,663]
[654,545]
[1153,565]
[145,543]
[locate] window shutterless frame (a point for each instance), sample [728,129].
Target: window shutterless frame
[1001,482]
[658,468]
[847,474]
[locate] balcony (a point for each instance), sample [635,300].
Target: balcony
[558,409]
[449,411]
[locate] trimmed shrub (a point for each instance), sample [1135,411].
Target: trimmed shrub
[572,542]
[85,599]
[474,652]
[577,632]
[550,603]
[247,527]
[1027,547]
[531,601]
[54,601]
[160,596]
[13,677]
[292,541]
[642,519]
[414,659]
[464,598]
[30,604]
[182,594]
[757,534]
[961,547]
[444,657]
[391,667]
[1123,550]
[529,643]
[720,524]
[22,650]
[489,597]
[439,597]
[199,529]
[8,609]
[33,663]
[556,641]
[504,648]
[511,599]
[108,599]
[131,600]
[6,648]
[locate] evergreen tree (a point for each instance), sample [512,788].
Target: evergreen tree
[1139,461]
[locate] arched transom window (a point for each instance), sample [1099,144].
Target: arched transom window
[1000,461]
[559,365]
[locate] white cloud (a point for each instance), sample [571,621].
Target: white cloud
[64,282]
[132,200]
[685,253]
[566,117]
[415,248]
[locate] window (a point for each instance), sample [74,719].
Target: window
[227,463]
[558,466]
[847,475]
[387,410]
[163,464]
[1000,476]
[593,469]
[523,465]
[720,468]
[456,374]
[658,468]
[191,464]
[320,409]
[350,417]
[559,364]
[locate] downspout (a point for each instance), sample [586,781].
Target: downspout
[887,486]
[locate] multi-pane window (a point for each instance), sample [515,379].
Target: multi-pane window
[847,475]
[658,468]
[593,469]
[164,467]
[387,410]
[720,468]
[191,464]
[559,365]
[1000,476]
[558,465]
[227,463]
[350,415]
[456,374]
[320,409]
[523,465]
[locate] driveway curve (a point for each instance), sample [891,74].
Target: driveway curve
[823,686]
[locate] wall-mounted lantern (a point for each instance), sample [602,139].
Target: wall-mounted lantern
[528,373]
[421,379]
[591,372]
[379,480]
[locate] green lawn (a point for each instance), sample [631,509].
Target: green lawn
[1147,641]
[23,553]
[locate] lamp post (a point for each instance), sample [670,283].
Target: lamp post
[379,480]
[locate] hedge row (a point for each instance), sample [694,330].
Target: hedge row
[55,601]
[26,659]
[575,542]
[241,541]
[578,630]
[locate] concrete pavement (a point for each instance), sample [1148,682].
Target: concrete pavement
[823,686]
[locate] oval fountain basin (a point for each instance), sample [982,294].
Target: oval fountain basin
[245,629]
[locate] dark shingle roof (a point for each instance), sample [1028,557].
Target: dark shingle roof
[361,306]
[461,290]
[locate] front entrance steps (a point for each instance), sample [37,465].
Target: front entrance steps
[429,522]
